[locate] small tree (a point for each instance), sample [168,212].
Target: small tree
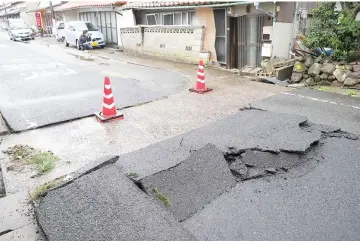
[337,30]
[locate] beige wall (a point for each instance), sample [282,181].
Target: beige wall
[205,17]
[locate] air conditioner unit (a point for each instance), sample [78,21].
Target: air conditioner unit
[230,10]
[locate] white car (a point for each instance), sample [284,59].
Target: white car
[74,29]
[18,30]
[59,31]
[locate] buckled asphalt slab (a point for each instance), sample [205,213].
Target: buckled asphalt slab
[318,200]
[106,205]
[193,183]
[298,201]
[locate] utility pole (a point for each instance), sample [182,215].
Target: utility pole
[52,10]
[52,17]
[4,6]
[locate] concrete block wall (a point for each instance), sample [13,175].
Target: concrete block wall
[131,39]
[178,43]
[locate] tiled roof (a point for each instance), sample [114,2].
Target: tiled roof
[167,3]
[84,4]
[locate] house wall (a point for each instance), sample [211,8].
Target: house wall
[240,10]
[126,20]
[178,43]
[282,36]
[29,17]
[131,38]
[286,13]
[70,15]
[205,17]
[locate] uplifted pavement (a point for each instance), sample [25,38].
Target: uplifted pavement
[297,181]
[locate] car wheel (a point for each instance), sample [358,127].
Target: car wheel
[66,43]
[102,47]
[77,45]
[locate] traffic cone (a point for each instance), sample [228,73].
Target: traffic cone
[109,111]
[200,86]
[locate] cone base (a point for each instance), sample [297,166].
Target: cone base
[101,118]
[200,91]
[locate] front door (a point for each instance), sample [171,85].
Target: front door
[250,40]
[220,39]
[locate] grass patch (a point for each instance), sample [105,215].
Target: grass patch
[351,92]
[40,190]
[324,88]
[161,197]
[22,155]
[132,175]
[44,161]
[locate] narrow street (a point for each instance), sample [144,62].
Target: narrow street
[42,85]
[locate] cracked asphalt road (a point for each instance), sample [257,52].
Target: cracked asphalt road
[319,106]
[316,198]
[40,85]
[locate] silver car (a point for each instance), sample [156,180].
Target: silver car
[19,31]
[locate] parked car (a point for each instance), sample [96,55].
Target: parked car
[19,30]
[74,29]
[59,31]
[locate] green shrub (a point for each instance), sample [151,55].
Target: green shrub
[337,30]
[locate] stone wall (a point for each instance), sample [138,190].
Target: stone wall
[323,71]
[178,43]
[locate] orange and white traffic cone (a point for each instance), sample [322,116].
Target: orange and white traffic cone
[200,86]
[109,111]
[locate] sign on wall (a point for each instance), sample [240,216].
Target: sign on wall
[38,19]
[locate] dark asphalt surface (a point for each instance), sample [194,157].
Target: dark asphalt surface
[246,129]
[319,106]
[194,183]
[42,85]
[316,199]
[106,205]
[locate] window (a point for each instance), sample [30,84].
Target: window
[61,26]
[152,19]
[168,19]
[174,18]
[184,18]
[191,18]
[177,18]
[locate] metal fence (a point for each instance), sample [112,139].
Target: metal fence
[106,21]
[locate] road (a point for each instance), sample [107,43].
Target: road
[41,85]
[311,194]
[319,106]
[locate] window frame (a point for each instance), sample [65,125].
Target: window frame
[163,18]
[156,16]
[189,16]
[160,17]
